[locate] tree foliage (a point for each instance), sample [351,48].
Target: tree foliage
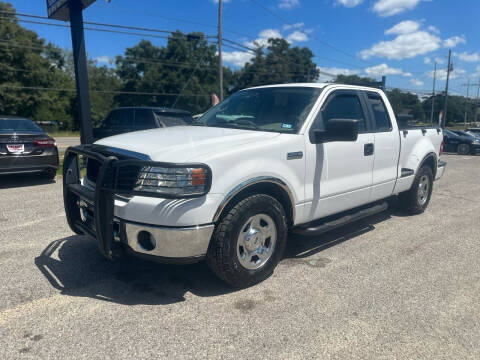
[37,78]
[278,63]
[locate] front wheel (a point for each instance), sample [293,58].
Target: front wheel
[463,149]
[249,241]
[415,200]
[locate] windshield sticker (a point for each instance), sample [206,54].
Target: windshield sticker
[287,126]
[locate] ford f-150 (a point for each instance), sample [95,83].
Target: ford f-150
[230,187]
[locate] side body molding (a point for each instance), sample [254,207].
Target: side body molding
[246,184]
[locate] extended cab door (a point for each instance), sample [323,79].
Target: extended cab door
[387,145]
[339,174]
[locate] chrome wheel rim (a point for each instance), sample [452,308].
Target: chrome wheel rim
[256,241]
[423,190]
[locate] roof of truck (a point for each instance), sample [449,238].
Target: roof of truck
[157,109]
[318,86]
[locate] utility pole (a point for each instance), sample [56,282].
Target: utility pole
[433,92]
[449,69]
[220,62]
[466,103]
[476,102]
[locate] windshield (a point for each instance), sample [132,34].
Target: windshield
[18,126]
[277,109]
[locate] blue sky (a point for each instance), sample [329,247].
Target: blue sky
[398,38]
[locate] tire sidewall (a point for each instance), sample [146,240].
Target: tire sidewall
[263,204]
[425,170]
[460,146]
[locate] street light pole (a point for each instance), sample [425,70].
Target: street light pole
[220,61]
[81,72]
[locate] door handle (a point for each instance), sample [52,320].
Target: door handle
[368,149]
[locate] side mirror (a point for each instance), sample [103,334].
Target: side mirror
[337,130]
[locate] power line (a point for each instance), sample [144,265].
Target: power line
[127,10]
[285,22]
[98,91]
[184,38]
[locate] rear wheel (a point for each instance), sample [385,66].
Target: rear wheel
[49,174]
[415,200]
[463,149]
[249,241]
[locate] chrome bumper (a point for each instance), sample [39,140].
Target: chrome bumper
[440,169]
[169,242]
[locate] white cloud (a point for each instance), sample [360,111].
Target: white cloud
[299,25]
[288,4]
[329,73]
[442,73]
[349,3]
[392,7]
[439,60]
[464,56]
[263,37]
[416,82]
[104,59]
[404,27]
[237,58]
[404,46]
[384,69]
[454,41]
[297,36]
[433,29]
[427,60]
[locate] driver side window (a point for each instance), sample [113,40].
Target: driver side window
[342,105]
[345,106]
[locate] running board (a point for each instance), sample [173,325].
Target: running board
[323,225]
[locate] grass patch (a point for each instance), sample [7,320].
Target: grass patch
[61,155]
[57,134]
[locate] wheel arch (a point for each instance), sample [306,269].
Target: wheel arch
[272,186]
[431,160]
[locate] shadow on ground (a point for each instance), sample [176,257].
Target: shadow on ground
[74,266]
[23,180]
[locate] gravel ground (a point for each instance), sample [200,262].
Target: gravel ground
[390,286]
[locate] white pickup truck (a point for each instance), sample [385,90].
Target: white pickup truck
[268,160]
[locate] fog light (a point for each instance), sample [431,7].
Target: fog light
[146,241]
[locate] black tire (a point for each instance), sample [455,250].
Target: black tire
[463,149]
[48,174]
[411,201]
[222,255]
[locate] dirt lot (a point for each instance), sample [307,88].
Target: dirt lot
[390,287]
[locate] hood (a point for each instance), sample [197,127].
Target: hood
[184,143]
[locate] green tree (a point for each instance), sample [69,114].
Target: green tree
[187,65]
[27,65]
[354,80]
[406,103]
[278,63]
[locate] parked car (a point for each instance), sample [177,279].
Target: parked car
[128,119]
[301,157]
[475,131]
[460,142]
[26,148]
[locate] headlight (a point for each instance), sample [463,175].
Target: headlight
[189,181]
[476,142]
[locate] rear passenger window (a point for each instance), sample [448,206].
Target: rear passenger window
[382,120]
[345,106]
